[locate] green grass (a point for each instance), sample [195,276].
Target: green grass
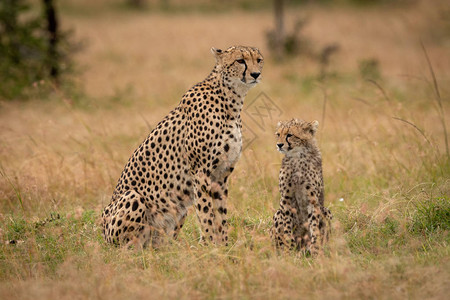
[431,216]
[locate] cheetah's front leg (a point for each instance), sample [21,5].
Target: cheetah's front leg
[219,194]
[314,216]
[211,218]
[282,230]
[325,223]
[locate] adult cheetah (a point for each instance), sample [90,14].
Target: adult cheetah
[187,159]
[302,222]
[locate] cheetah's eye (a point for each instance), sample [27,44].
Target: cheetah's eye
[241,61]
[259,60]
[277,134]
[288,135]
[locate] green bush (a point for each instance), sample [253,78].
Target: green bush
[27,59]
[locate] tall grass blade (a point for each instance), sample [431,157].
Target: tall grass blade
[438,98]
[16,189]
[380,88]
[417,128]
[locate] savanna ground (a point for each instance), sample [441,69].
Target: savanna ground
[387,180]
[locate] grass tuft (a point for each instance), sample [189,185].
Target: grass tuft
[431,216]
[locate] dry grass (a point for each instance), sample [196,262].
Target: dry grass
[387,183]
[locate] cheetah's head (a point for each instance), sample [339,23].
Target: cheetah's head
[240,66]
[295,135]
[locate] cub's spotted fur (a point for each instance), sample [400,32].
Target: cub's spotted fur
[302,222]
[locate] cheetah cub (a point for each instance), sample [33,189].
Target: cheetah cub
[302,222]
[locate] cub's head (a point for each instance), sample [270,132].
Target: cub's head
[240,65]
[295,135]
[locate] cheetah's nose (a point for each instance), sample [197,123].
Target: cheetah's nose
[280,145]
[255,74]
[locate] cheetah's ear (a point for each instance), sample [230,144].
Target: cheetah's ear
[314,126]
[217,53]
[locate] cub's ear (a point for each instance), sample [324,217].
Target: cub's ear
[314,126]
[216,52]
[280,124]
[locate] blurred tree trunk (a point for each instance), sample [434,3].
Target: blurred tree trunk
[9,23]
[53,38]
[279,28]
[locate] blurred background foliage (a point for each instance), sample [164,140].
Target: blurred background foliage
[32,47]
[36,61]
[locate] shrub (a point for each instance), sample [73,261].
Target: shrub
[30,52]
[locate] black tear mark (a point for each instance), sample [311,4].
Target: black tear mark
[289,144]
[243,74]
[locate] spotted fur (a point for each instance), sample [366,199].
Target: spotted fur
[302,222]
[187,159]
